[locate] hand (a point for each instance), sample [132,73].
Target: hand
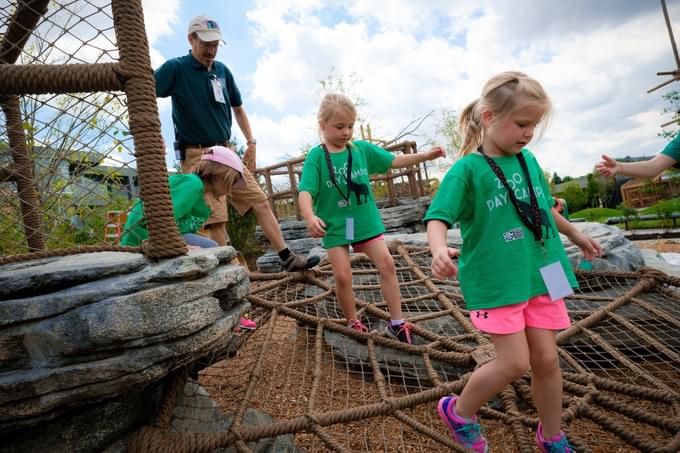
[589,246]
[436,152]
[249,158]
[316,226]
[608,166]
[442,266]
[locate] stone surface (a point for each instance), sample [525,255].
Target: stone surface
[78,343]
[196,412]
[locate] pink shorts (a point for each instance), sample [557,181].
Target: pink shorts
[539,312]
[358,246]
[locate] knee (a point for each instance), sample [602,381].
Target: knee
[516,369]
[343,278]
[545,364]
[385,265]
[261,207]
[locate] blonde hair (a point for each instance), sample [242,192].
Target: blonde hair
[331,104]
[502,95]
[212,172]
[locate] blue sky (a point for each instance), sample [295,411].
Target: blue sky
[595,59]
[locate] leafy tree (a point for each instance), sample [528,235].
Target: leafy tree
[673,100]
[593,191]
[567,179]
[575,196]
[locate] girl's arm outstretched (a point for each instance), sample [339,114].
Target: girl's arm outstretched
[404,160]
[442,266]
[315,225]
[589,246]
[643,169]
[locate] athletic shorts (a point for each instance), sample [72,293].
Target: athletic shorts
[539,312]
[241,198]
[359,246]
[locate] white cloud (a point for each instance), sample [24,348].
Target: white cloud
[595,62]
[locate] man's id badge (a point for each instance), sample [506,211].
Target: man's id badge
[556,281]
[349,228]
[217,90]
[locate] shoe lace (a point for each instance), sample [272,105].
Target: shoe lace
[470,433]
[358,326]
[559,446]
[406,329]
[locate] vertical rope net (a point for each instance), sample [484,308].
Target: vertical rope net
[79,130]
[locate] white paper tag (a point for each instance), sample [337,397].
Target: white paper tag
[349,228]
[556,281]
[217,90]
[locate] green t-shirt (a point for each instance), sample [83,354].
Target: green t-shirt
[330,206]
[672,150]
[188,207]
[199,118]
[500,258]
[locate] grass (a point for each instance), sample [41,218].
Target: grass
[596,214]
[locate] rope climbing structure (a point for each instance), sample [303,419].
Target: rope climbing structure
[335,389]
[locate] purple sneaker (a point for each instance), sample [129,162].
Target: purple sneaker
[556,444]
[467,433]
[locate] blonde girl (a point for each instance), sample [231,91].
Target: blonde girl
[513,270]
[337,204]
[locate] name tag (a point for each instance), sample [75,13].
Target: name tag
[217,90]
[556,281]
[349,228]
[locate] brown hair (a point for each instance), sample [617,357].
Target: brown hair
[503,94]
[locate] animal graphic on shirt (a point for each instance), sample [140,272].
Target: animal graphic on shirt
[359,189]
[545,220]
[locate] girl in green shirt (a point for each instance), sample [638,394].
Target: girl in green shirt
[337,204]
[513,269]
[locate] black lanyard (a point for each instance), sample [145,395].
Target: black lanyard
[535,213]
[349,173]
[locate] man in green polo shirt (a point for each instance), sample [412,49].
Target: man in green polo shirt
[204,95]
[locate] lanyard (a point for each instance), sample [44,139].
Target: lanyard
[535,227]
[349,173]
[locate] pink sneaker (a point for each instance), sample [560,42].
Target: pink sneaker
[467,433]
[357,325]
[247,324]
[556,444]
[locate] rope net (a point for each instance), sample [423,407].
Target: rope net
[79,129]
[334,389]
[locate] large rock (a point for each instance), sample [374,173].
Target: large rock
[71,343]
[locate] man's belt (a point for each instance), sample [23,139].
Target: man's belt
[191,145]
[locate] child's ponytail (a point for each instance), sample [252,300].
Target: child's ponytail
[470,128]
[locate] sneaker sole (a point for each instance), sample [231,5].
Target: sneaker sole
[247,328]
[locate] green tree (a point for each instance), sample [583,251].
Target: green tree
[593,191]
[575,196]
[673,100]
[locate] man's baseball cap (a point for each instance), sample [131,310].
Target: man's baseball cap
[206,28]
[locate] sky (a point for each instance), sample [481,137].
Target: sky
[403,59]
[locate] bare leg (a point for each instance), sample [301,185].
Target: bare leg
[342,272]
[269,224]
[546,379]
[511,362]
[378,252]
